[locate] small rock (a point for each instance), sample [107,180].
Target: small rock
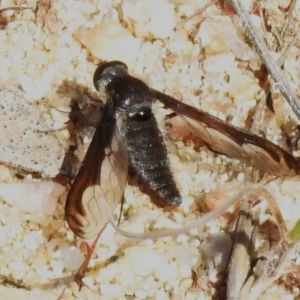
[164,273]
[110,41]
[143,261]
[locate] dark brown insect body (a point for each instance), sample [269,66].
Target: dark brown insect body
[145,145]
[127,135]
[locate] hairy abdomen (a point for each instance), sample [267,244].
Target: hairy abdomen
[148,158]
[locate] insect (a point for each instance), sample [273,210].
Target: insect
[127,135]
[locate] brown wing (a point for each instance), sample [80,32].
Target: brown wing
[234,142]
[101,180]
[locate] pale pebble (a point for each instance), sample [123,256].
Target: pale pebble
[110,41]
[110,289]
[165,273]
[140,294]
[149,18]
[40,197]
[143,261]
[105,275]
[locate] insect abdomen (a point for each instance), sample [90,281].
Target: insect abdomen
[148,158]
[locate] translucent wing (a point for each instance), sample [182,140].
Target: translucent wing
[234,142]
[101,180]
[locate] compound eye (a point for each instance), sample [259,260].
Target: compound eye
[106,71]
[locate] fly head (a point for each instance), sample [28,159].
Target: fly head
[129,95]
[106,72]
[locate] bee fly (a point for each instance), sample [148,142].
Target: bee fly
[127,135]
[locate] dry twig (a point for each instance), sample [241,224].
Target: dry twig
[263,52]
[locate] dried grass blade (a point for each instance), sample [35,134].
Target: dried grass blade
[271,65]
[241,254]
